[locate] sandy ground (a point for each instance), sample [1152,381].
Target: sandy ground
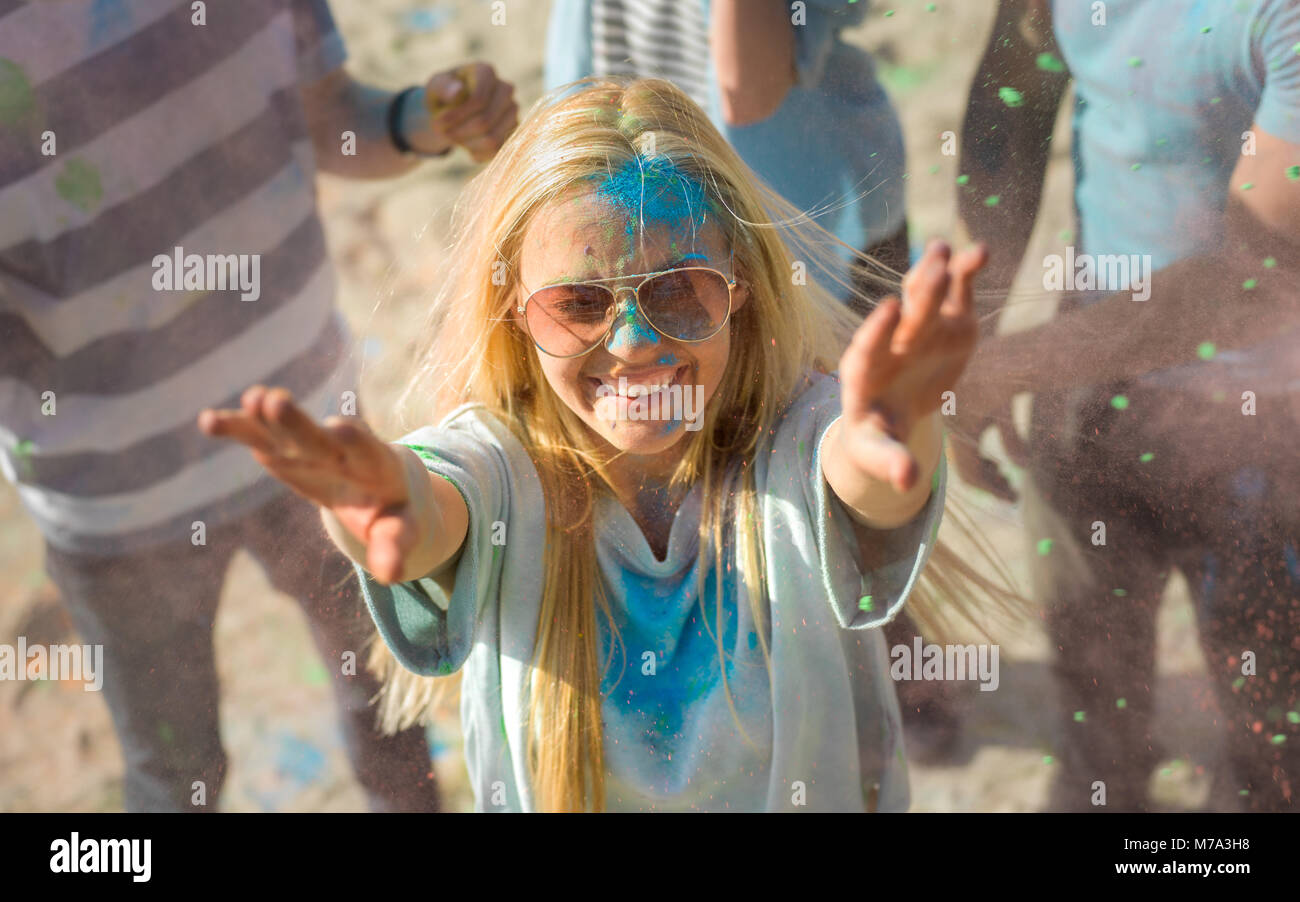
[57,748]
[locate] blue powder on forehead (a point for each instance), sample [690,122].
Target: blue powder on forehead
[653,193]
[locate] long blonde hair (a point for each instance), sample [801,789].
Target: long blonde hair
[477,353]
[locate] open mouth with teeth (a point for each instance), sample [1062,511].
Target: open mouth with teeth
[612,394]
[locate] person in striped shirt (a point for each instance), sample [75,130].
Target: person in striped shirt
[160,248]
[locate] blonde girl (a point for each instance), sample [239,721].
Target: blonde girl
[652,527]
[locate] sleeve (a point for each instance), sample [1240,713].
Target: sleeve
[862,597]
[428,632]
[318,44]
[1275,52]
[568,43]
[816,25]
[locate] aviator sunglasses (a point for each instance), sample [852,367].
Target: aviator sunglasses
[687,303]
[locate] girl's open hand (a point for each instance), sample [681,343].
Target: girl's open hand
[339,465]
[903,358]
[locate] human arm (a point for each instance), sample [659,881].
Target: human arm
[753,53]
[337,103]
[879,457]
[379,504]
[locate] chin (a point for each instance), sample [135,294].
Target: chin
[643,439]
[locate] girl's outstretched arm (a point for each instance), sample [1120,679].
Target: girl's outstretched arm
[879,456]
[379,504]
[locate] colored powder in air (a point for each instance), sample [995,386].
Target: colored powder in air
[963,179]
[1270,262]
[1135,61]
[865,603]
[1278,739]
[1011,97]
[1293,716]
[1119,593]
[930,7]
[1293,173]
[1049,62]
[1246,186]
[1205,350]
[1206,30]
[1249,284]
[1119,402]
[1044,547]
[1121,703]
[1147,457]
[1135,167]
[1048,759]
[1078,717]
[992,200]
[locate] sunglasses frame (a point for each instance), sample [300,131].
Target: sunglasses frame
[731,283]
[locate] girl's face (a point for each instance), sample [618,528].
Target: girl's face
[617,231]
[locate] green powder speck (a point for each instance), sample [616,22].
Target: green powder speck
[1119,593]
[1049,62]
[1161,142]
[930,7]
[1246,186]
[1205,350]
[1011,97]
[1206,30]
[1293,173]
[992,200]
[865,603]
[1278,739]
[963,179]
[1121,703]
[1119,402]
[1147,457]
[16,97]
[1044,547]
[1270,262]
[934,170]
[1215,100]
[1078,717]
[888,13]
[1066,235]
[1135,61]
[1048,759]
[1249,284]
[1238,682]
[1243,792]
[1135,167]
[1293,716]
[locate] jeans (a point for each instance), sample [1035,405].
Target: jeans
[153,613]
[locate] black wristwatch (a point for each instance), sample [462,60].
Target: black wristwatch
[395,127]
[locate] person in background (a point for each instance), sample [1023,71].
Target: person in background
[169,129]
[1165,408]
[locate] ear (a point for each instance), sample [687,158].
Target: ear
[739,295]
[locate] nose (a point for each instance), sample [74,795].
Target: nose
[630,331]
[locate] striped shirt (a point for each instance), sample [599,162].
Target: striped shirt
[128,131]
[666,39]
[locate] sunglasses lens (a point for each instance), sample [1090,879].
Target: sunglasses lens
[687,304]
[568,319]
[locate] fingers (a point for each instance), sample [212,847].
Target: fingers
[868,355]
[961,295]
[236,425]
[925,287]
[481,122]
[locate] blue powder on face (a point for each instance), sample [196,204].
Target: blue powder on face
[652,192]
